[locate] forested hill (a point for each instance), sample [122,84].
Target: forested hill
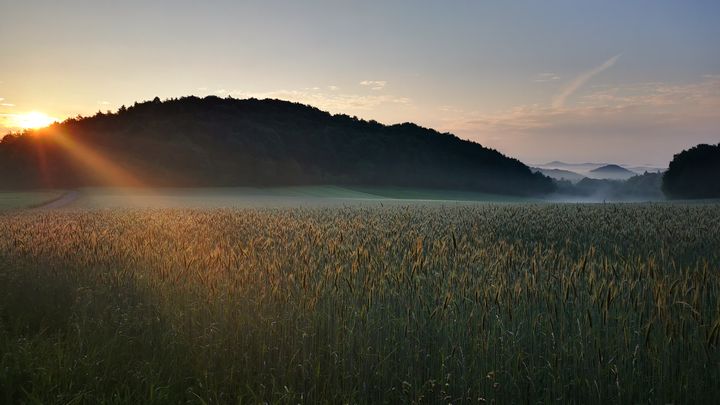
[213,141]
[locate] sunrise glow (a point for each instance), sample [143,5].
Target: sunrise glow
[32,120]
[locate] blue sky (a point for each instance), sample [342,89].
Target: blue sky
[624,81]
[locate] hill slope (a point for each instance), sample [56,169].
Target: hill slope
[694,173]
[611,171]
[560,174]
[222,142]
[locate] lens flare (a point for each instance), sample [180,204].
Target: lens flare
[31,120]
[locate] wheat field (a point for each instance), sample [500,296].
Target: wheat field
[457,303]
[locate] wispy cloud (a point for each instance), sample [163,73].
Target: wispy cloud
[332,101]
[374,84]
[580,80]
[650,120]
[450,109]
[698,98]
[546,77]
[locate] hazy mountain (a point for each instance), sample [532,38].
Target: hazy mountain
[585,168]
[611,172]
[611,168]
[643,169]
[560,174]
[574,167]
[228,142]
[559,163]
[589,170]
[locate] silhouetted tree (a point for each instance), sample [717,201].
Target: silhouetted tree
[694,173]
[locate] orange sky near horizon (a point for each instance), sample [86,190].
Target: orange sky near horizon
[624,86]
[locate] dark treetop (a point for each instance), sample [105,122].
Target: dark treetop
[694,173]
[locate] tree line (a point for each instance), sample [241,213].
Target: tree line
[214,141]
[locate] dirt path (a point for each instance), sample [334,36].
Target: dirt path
[62,201]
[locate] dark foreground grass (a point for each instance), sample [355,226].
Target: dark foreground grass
[504,303]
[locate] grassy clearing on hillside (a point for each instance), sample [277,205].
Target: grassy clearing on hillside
[511,303]
[278,197]
[25,199]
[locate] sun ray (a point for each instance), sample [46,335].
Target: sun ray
[102,168]
[31,120]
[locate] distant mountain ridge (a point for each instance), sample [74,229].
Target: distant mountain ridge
[611,171]
[560,174]
[610,168]
[557,164]
[213,141]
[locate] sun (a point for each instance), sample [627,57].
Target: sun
[32,120]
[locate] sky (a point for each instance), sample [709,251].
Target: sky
[622,81]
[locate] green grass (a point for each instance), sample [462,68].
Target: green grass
[246,197]
[10,200]
[402,303]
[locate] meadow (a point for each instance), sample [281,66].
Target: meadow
[389,303]
[12,200]
[275,197]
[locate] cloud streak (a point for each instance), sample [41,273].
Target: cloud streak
[579,81]
[546,77]
[636,123]
[332,101]
[374,84]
